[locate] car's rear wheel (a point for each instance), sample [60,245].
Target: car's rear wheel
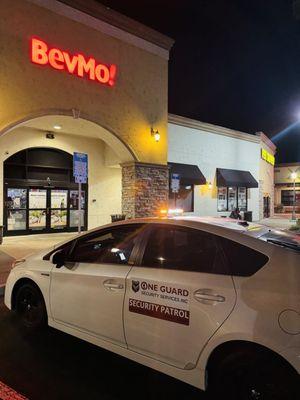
[30,307]
[253,377]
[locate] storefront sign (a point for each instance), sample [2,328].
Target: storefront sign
[265,155]
[76,64]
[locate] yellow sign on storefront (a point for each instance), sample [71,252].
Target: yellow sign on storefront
[265,155]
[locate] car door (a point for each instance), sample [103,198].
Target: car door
[178,296]
[87,292]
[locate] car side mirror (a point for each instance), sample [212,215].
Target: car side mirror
[59,258]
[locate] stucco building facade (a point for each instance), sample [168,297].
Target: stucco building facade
[77,77]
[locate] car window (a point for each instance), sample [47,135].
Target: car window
[181,248]
[242,260]
[109,246]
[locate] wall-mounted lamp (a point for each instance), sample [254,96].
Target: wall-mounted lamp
[155,134]
[209,185]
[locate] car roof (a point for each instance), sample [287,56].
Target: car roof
[218,224]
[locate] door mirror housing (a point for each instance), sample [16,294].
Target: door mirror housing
[59,258]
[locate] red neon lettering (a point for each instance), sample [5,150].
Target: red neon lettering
[39,52]
[112,75]
[71,62]
[86,66]
[102,73]
[56,59]
[77,64]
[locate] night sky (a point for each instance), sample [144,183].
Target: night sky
[235,63]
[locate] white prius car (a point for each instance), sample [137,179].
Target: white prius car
[210,301]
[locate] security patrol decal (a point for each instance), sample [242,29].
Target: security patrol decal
[159,300]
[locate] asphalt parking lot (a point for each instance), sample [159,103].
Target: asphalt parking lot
[55,365]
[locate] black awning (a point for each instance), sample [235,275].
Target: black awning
[234,177]
[189,174]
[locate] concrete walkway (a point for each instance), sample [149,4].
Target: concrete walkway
[278,222]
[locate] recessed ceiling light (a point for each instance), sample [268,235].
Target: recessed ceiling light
[57,127]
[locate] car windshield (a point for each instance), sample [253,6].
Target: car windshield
[283,239]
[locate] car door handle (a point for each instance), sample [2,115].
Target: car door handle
[110,285]
[207,296]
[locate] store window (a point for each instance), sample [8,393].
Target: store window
[242,198]
[287,197]
[230,198]
[184,199]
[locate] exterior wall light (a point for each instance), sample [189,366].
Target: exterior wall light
[155,134]
[209,185]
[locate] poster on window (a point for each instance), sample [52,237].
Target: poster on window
[16,220]
[74,199]
[232,199]
[58,219]
[37,198]
[242,198]
[59,198]
[222,199]
[16,198]
[37,219]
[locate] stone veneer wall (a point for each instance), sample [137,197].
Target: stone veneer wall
[145,189]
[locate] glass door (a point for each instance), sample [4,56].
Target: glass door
[37,210]
[43,210]
[16,209]
[58,209]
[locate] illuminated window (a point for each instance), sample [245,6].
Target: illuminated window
[230,198]
[184,199]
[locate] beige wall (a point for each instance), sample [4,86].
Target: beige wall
[266,181]
[137,101]
[283,179]
[104,181]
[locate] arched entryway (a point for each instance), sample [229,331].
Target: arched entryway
[40,194]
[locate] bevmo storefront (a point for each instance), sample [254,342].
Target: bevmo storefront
[79,79]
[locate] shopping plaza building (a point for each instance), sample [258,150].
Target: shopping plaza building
[78,77]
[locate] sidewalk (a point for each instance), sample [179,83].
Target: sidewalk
[16,247]
[279,221]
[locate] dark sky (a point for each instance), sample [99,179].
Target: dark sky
[235,63]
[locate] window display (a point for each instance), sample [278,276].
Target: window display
[184,198]
[222,199]
[59,198]
[16,220]
[58,219]
[37,198]
[16,198]
[37,219]
[242,198]
[232,203]
[74,199]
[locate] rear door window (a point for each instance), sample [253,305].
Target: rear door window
[242,260]
[181,248]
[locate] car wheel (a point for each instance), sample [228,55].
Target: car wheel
[30,307]
[251,377]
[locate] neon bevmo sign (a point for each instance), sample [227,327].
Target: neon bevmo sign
[84,67]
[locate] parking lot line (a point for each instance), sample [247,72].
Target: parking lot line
[7,393]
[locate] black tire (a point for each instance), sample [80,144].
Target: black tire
[247,376]
[30,308]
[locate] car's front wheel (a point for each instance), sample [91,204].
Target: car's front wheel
[30,307]
[248,376]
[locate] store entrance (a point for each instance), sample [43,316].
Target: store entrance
[42,210]
[266,207]
[47,201]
